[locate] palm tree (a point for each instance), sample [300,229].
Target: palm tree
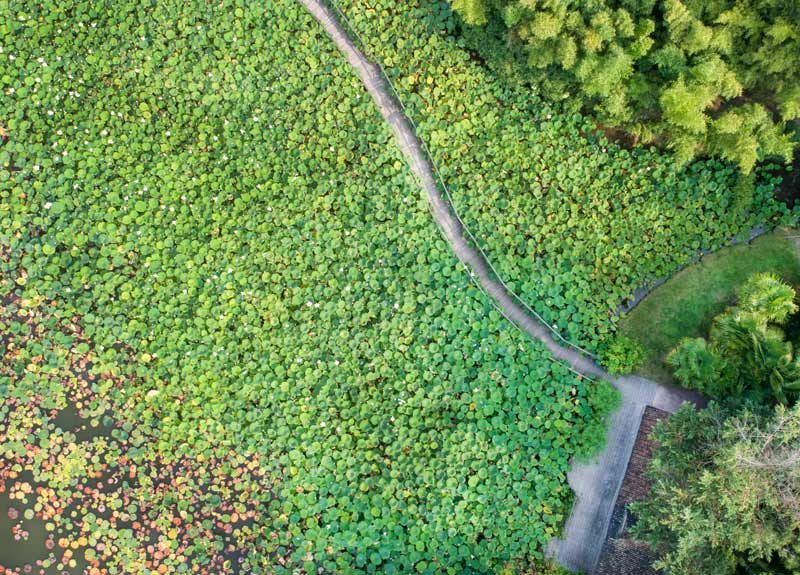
[772,364]
[766,295]
[698,366]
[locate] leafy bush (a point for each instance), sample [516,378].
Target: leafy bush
[215,199]
[622,354]
[605,399]
[573,223]
[719,78]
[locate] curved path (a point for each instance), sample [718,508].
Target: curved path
[595,484]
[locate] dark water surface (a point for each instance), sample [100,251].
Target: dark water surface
[23,541]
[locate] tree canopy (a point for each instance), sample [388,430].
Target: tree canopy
[719,78]
[726,498]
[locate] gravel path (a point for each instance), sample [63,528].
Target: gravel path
[596,484]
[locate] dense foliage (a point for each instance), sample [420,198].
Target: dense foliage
[726,494]
[622,354]
[210,194]
[574,223]
[746,353]
[719,77]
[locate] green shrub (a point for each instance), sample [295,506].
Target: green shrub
[698,367]
[605,399]
[768,296]
[622,354]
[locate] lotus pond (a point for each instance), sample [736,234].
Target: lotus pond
[233,339]
[213,250]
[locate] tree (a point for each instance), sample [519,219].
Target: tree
[726,493]
[473,11]
[766,295]
[746,353]
[719,78]
[699,367]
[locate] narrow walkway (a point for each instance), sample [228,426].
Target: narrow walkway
[595,484]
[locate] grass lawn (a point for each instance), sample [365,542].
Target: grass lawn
[687,303]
